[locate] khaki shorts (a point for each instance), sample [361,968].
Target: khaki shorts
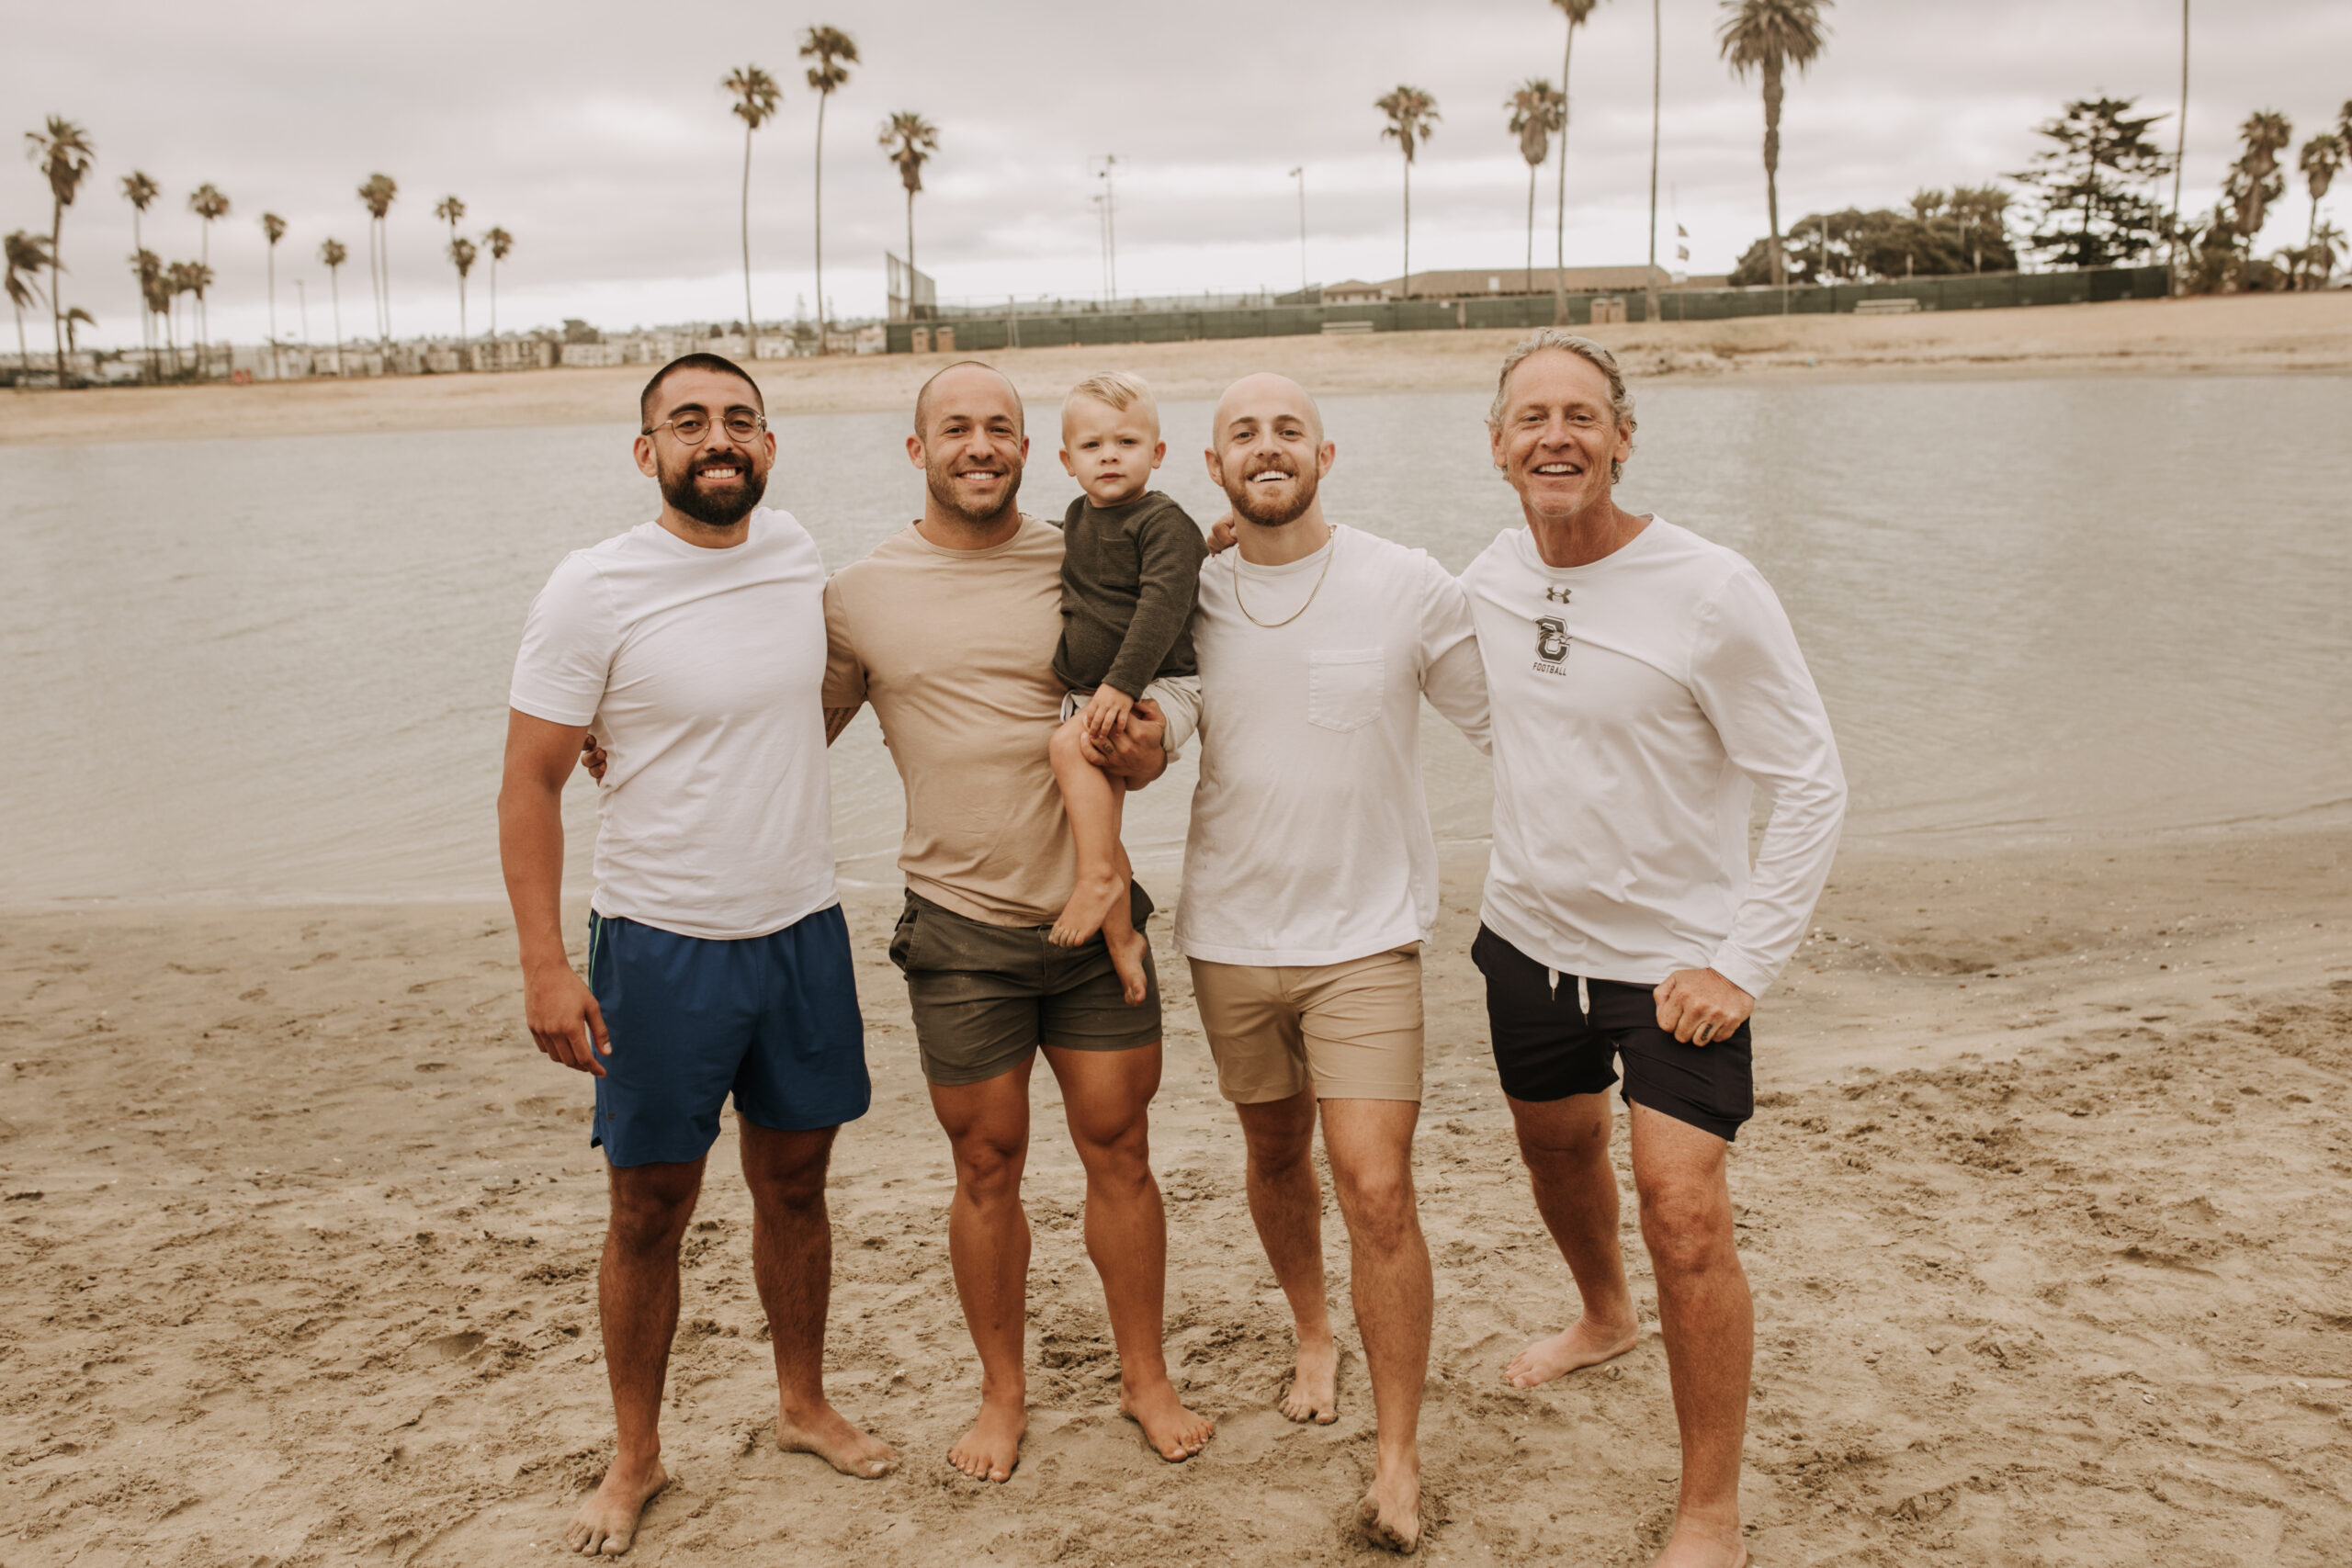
[1350,1031]
[985,997]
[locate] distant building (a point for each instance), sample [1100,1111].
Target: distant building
[1475,283]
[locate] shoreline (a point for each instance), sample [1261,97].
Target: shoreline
[297,1238]
[2244,334]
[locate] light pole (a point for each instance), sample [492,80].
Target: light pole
[1109,219]
[2180,152]
[1299,174]
[302,296]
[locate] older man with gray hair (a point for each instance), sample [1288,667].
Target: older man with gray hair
[1643,681]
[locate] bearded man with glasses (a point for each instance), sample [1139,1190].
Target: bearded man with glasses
[719,960]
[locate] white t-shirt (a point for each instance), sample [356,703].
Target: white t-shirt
[700,670]
[1635,700]
[1311,841]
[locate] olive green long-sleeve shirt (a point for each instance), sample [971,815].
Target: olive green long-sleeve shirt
[1129,577]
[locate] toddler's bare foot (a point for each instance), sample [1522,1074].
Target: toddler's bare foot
[1089,902]
[1583,1343]
[607,1523]
[1315,1384]
[826,1433]
[1128,949]
[1173,1431]
[991,1449]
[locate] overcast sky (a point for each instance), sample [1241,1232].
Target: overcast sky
[597,133]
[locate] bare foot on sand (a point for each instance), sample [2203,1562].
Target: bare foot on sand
[1391,1511]
[1089,902]
[1174,1432]
[1583,1343]
[991,1449]
[826,1433]
[607,1523]
[1314,1385]
[1696,1545]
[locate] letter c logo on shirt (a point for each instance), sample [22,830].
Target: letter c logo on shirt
[1551,639]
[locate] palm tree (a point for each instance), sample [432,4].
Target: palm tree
[63,152]
[2323,155]
[140,191]
[1578,12]
[1657,78]
[191,278]
[756,97]
[910,140]
[1768,35]
[1537,109]
[378,194]
[335,255]
[1410,113]
[501,244]
[27,254]
[2257,182]
[462,254]
[207,202]
[155,299]
[450,208]
[834,52]
[272,227]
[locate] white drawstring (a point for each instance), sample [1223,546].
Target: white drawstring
[1584,997]
[1552,978]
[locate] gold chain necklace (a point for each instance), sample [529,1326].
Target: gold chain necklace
[1270,626]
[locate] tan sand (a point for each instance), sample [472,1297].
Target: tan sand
[2264,334]
[2043,1209]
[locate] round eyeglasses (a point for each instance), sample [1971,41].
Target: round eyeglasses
[692,429]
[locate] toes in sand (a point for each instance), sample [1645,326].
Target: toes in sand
[1175,1433]
[991,1449]
[607,1523]
[1391,1512]
[1314,1393]
[828,1434]
[1582,1344]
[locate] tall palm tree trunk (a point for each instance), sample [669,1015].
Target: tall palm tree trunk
[910,252]
[493,309]
[56,293]
[1526,278]
[24,359]
[750,322]
[1408,228]
[1773,175]
[1560,206]
[1656,78]
[334,292]
[204,310]
[821,344]
[274,373]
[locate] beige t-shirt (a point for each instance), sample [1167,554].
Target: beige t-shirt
[955,648]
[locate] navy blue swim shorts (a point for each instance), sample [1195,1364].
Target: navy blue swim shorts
[772,1018]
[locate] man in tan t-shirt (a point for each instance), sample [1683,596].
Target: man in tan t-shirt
[948,629]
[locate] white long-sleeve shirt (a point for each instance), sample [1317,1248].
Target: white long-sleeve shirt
[1311,841]
[1637,702]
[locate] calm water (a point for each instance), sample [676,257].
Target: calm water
[277,668]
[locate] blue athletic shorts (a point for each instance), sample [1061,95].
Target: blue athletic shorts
[772,1018]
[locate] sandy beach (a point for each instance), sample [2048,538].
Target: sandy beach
[2245,334]
[2042,1207]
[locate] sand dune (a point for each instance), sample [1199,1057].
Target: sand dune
[2042,1207]
[2247,333]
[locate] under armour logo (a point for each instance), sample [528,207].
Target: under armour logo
[1556,595]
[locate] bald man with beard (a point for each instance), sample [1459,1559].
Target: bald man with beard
[1310,886]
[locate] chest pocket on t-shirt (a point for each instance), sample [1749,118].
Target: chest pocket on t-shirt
[1345,686]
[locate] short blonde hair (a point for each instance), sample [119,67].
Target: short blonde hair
[1121,389]
[1621,401]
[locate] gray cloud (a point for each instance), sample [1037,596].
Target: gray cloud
[597,133]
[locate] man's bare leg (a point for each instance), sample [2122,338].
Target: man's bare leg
[1565,1146]
[1708,1321]
[636,1306]
[792,1263]
[1107,1096]
[988,1246]
[1093,800]
[1286,1202]
[1370,1143]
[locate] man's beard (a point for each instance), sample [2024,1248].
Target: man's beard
[715,508]
[942,485]
[1272,515]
